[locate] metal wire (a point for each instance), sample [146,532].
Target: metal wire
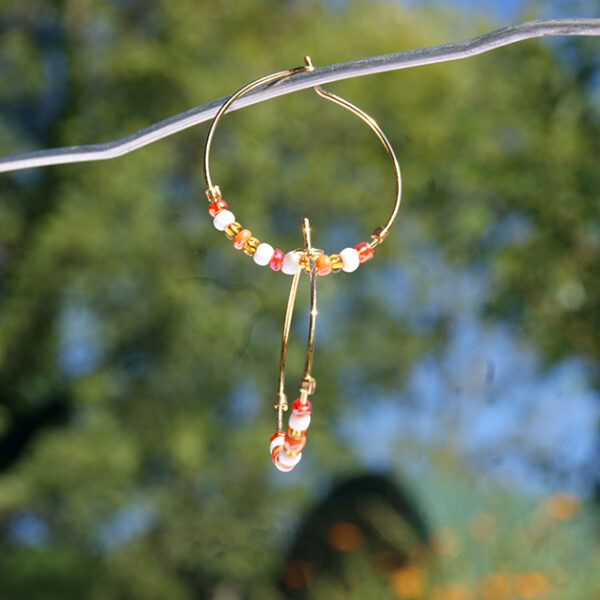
[320,75]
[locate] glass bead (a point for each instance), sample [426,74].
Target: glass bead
[233,229]
[337,264]
[294,445]
[323,264]
[241,238]
[214,208]
[277,259]
[350,260]
[290,263]
[287,460]
[250,246]
[276,440]
[281,467]
[301,408]
[222,219]
[365,252]
[299,422]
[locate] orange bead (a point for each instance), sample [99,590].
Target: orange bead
[294,445]
[324,265]
[241,238]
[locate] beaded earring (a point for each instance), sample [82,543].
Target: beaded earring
[286,445]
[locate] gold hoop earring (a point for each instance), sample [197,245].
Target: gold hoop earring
[286,445]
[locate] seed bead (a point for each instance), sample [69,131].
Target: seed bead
[280,466]
[302,408]
[365,252]
[299,422]
[241,238]
[222,219]
[287,460]
[250,246]
[323,264]
[294,445]
[290,263]
[276,261]
[214,208]
[263,255]
[337,264]
[233,229]
[277,440]
[350,259]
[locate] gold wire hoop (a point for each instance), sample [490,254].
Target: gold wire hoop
[213,191]
[308,383]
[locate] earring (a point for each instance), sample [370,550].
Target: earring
[286,445]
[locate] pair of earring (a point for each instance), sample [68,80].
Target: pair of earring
[286,445]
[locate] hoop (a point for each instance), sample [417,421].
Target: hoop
[286,445]
[264,254]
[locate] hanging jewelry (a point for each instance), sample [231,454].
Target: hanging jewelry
[286,445]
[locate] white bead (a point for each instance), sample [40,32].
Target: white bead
[278,441]
[288,461]
[299,422]
[281,467]
[290,263]
[222,219]
[263,254]
[350,259]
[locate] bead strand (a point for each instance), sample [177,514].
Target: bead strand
[286,446]
[263,254]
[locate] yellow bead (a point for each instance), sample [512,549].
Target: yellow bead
[336,263]
[250,246]
[233,229]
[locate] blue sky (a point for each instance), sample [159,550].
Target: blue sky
[508,12]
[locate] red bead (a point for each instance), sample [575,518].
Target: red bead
[277,259]
[241,238]
[302,409]
[365,252]
[294,445]
[323,264]
[276,434]
[216,207]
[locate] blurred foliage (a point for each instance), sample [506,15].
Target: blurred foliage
[138,352]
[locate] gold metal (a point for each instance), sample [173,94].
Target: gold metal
[247,88]
[284,345]
[294,433]
[308,382]
[308,385]
[312,319]
[250,246]
[281,403]
[213,193]
[308,255]
[233,229]
[337,264]
[381,232]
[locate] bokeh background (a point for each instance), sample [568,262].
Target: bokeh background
[457,371]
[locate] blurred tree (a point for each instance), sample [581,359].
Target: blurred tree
[366,514]
[138,351]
